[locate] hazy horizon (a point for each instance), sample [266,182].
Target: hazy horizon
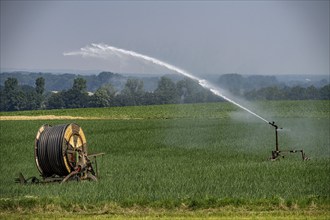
[282,77]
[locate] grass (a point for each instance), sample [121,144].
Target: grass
[271,109]
[113,212]
[180,158]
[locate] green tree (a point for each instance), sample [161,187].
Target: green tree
[79,84]
[271,93]
[55,101]
[13,97]
[39,90]
[166,92]
[232,82]
[133,92]
[40,85]
[149,98]
[189,91]
[103,96]
[77,96]
[325,92]
[312,93]
[2,99]
[31,97]
[297,93]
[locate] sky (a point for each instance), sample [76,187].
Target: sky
[201,37]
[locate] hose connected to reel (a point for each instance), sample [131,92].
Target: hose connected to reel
[60,154]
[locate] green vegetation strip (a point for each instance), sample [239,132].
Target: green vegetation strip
[113,211]
[32,207]
[271,109]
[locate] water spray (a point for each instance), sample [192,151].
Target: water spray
[104,51]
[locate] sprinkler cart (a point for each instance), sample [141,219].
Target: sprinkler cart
[60,154]
[279,153]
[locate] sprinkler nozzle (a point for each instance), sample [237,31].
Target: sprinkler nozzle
[274,125]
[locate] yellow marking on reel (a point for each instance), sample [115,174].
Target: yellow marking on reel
[79,143]
[66,164]
[71,142]
[68,133]
[41,129]
[82,135]
[38,166]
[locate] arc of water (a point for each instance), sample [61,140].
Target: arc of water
[103,51]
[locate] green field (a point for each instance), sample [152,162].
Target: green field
[179,160]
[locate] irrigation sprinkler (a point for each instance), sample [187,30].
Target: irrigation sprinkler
[103,50]
[60,154]
[280,153]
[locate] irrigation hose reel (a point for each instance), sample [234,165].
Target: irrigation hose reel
[60,154]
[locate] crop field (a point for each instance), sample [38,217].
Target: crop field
[178,161]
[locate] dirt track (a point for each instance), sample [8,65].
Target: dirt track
[43,117]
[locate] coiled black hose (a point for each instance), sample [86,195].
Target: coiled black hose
[56,149]
[49,151]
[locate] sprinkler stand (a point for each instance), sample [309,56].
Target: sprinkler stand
[279,153]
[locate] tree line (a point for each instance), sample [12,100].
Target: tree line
[59,82]
[289,93]
[14,97]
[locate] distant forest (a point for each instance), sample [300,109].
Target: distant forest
[30,91]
